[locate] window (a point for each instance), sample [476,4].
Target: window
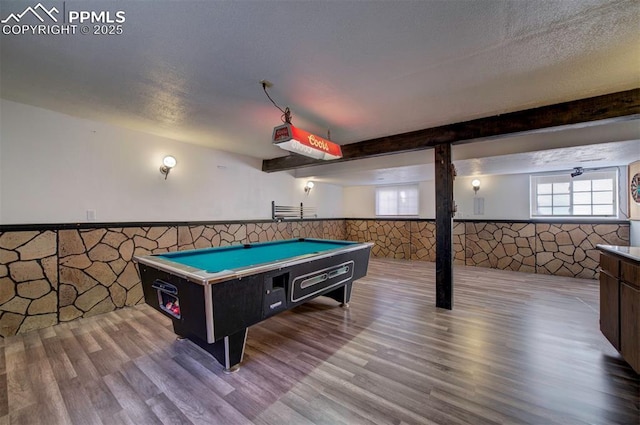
[397,200]
[592,194]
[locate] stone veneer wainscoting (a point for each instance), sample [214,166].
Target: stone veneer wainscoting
[504,246]
[97,273]
[566,249]
[61,274]
[28,281]
[404,239]
[95,269]
[563,249]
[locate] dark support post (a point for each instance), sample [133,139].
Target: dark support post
[444,226]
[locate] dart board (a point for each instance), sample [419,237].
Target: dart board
[635,188]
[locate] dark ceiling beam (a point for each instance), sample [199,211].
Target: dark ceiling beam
[621,106]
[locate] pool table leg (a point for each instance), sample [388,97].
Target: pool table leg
[342,295]
[233,350]
[228,351]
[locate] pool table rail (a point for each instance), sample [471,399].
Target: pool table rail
[203,277]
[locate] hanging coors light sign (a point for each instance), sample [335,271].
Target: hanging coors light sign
[304,143]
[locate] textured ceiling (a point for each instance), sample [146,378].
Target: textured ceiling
[190,71]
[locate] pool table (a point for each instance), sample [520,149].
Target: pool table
[213,295]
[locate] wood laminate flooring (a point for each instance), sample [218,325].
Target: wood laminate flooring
[516,349]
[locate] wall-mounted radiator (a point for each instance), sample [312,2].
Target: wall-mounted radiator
[292,212]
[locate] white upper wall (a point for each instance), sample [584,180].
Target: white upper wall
[506,197]
[360,201]
[54,168]
[634,233]
[1,138]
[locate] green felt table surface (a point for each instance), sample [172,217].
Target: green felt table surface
[232,257]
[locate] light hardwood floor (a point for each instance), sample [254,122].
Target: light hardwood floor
[516,349]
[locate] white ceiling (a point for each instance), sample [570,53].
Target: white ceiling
[190,71]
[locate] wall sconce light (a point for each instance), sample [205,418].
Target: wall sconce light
[475,183]
[308,187]
[168,162]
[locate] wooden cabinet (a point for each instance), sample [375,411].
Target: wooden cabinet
[630,325]
[610,309]
[620,305]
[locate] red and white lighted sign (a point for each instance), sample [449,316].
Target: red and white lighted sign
[304,143]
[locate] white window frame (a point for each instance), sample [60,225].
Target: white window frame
[398,189]
[588,175]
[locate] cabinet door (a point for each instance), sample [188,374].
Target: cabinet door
[630,325]
[630,274]
[610,265]
[609,304]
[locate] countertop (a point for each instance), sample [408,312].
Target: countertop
[630,252]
